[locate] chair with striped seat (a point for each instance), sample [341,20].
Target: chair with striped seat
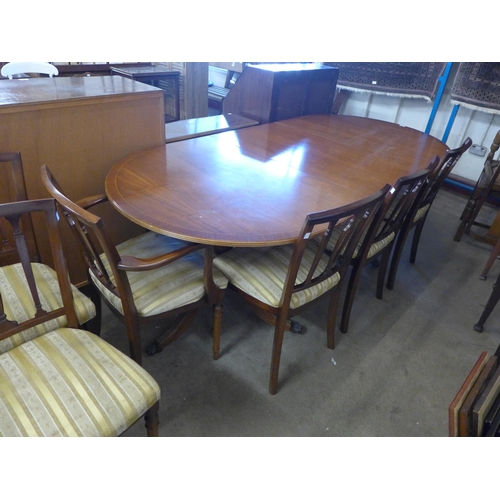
[14,286]
[149,278]
[65,381]
[279,282]
[376,244]
[418,213]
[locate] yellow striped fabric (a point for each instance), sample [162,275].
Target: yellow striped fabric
[261,273]
[164,289]
[71,383]
[18,303]
[421,212]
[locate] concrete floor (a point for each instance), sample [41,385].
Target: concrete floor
[393,374]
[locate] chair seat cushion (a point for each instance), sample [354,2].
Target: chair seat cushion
[70,382]
[261,273]
[164,289]
[18,303]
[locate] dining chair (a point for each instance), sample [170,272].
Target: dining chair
[417,215]
[13,69]
[376,244]
[148,278]
[66,381]
[281,281]
[15,288]
[480,193]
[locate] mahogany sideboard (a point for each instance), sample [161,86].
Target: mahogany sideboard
[273,92]
[80,127]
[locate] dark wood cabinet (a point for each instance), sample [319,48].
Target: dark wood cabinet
[273,92]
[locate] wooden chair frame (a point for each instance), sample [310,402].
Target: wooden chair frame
[90,231]
[425,199]
[13,212]
[388,220]
[355,218]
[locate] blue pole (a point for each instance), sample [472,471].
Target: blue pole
[453,115]
[442,84]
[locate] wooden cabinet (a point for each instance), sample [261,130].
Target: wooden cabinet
[80,127]
[273,92]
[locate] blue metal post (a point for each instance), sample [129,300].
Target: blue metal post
[442,84]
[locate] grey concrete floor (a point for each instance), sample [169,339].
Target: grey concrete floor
[393,374]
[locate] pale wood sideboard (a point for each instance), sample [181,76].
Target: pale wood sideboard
[80,127]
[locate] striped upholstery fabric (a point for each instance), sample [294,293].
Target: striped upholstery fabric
[19,307]
[261,273]
[374,249]
[421,212]
[164,289]
[71,383]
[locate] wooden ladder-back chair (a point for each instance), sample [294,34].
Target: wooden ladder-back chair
[420,210]
[146,279]
[12,188]
[65,381]
[376,245]
[281,281]
[481,191]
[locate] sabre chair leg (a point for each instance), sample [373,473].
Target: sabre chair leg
[152,421]
[382,271]
[332,319]
[416,239]
[352,286]
[490,305]
[279,334]
[217,323]
[396,257]
[493,256]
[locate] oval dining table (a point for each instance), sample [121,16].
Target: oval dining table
[254,186]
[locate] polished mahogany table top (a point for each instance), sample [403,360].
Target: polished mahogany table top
[254,186]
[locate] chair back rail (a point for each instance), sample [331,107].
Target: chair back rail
[355,218]
[12,212]
[13,188]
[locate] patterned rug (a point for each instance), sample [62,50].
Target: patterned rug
[477,86]
[395,79]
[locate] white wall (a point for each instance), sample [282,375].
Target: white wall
[413,112]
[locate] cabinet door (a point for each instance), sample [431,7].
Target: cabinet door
[289,92]
[319,94]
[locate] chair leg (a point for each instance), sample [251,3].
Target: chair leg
[349,298]
[279,333]
[217,322]
[494,254]
[94,325]
[382,271]
[332,318]
[152,421]
[416,239]
[490,305]
[396,257]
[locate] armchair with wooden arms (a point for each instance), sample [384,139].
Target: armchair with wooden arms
[149,278]
[63,381]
